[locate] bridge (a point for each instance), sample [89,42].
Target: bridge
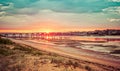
[34,35]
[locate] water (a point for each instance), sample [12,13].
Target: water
[86,38]
[109,44]
[96,38]
[104,44]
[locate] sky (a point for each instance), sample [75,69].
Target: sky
[58,15]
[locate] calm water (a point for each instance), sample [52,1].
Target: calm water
[105,44]
[88,38]
[97,38]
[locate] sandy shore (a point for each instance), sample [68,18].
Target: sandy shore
[31,55]
[79,54]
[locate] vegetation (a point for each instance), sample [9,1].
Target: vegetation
[5,51]
[5,41]
[88,68]
[27,50]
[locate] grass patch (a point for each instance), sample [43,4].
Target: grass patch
[5,51]
[65,62]
[73,63]
[5,41]
[28,50]
[88,68]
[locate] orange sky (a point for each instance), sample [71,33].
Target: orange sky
[50,26]
[53,29]
[58,16]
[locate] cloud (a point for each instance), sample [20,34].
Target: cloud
[5,8]
[26,11]
[74,6]
[113,10]
[49,18]
[67,6]
[2,14]
[67,13]
[2,7]
[114,0]
[13,21]
[114,20]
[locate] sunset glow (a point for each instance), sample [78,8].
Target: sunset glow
[58,16]
[59,35]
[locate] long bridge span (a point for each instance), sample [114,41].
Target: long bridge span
[35,35]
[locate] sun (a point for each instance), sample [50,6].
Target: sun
[47,31]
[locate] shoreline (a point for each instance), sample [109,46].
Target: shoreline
[35,56]
[82,47]
[61,52]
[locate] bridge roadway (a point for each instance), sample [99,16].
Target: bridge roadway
[34,35]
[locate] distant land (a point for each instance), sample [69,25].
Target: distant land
[107,32]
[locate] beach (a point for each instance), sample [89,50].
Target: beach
[73,52]
[82,59]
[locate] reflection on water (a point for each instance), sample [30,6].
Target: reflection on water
[86,38]
[105,44]
[108,39]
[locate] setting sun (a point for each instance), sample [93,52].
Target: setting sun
[47,30]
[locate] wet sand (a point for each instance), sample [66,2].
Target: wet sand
[110,48]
